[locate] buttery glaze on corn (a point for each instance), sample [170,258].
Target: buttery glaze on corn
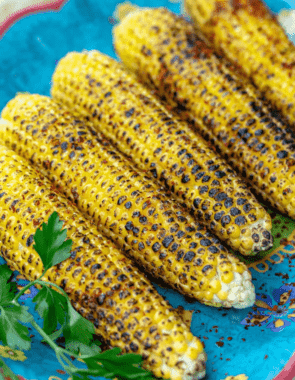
[126,207]
[103,92]
[102,283]
[249,35]
[187,74]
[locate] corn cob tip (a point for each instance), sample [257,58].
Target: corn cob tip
[259,237]
[238,293]
[203,10]
[123,9]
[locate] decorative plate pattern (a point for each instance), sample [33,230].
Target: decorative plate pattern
[257,341]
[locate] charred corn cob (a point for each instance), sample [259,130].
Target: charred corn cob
[197,85]
[100,281]
[125,206]
[250,36]
[103,92]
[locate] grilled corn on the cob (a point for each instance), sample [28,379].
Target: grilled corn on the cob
[102,91]
[190,77]
[100,281]
[124,205]
[250,36]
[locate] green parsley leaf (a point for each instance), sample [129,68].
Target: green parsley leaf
[51,306]
[77,331]
[123,366]
[7,288]
[12,332]
[51,243]
[7,373]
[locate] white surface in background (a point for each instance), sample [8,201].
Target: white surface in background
[287,19]
[7,7]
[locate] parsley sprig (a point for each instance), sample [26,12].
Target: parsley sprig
[59,318]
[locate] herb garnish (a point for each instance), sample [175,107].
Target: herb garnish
[56,310]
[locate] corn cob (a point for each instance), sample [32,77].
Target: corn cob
[101,282]
[198,86]
[103,92]
[250,36]
[125,206]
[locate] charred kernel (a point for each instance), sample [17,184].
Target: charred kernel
[228,202]
[199,262]
[235,211]
[101,298]
[241,201]
[143,219]
[225,220]
[193,245]
[220,197]
[154,173]
[134,347]
[212,193]
[128,205]
[181,152]
[167,241]
[129,226]
[247,207]
[122,277]
[250,122]
[218,215]
[213,167]
[220,174]
[260,146]
[215,182]
[240,220]
[179,255]
[189,256]
[140,246]
[266,234]
[30,240]
[64,146]
[199,175]
[135,214]
[185,179]
[156,247]
[206,178]
[174,247]
[121,200]
[205,242]
[154,227]
[207,268]
[213,249]
[162,255]
[255,237]
[203,189]
[197,201]
[282,154]
[195,169]
[94,268]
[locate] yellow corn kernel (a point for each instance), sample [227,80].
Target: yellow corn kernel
[126,206]
[254,41]
[145,131]
[227,277]
[93,255]
[181,68]
[222,295]
[208,295]
[215,286]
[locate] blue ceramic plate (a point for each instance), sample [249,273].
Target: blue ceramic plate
[235,344]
